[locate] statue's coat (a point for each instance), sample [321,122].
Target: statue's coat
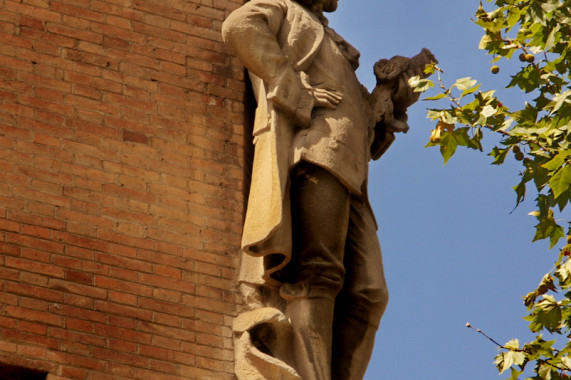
[276,73]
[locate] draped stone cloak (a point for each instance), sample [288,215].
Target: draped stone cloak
[277,41]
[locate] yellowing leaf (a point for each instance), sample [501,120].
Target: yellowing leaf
[445,126]
[505,360]
[512,344]
[465,83]
[564,271]
[566,362]
[488,111]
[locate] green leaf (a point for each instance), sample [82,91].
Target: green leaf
[527,79]
[535,171]
[476,140]
[484,41]
[448,146]
[559,100]
[499,155]
[469,91]
[557,161]
[529,114]
[563,200]
[551,39]
[430,69]
[539,347]
[537,14]
[513,18]
[462,137]
[548,229]
[436,97]
[550,6]
[560,181]
[547,314]
[514,374]
[520,192]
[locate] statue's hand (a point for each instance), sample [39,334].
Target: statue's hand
[326,98]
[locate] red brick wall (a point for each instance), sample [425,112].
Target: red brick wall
[121,188]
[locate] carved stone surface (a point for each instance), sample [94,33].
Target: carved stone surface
[312,274]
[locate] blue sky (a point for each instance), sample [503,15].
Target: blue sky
[454,251]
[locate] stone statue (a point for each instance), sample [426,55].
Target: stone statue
[312,273]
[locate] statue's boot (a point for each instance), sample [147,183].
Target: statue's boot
[352,348]
[312,322]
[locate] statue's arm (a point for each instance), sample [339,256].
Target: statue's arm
[251,32]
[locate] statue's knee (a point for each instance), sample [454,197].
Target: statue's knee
[325,287]
[367,305]
[323,279]
[314,287]
[375,301]
[380,300]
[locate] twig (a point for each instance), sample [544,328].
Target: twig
[468,325]
[560,367]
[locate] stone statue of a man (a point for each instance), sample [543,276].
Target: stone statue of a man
[310,234]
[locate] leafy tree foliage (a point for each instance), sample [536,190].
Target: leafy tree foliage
[538,134]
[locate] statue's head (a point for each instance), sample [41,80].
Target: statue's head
[320,5]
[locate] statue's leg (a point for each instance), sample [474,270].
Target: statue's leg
[320,215]
[363,299]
